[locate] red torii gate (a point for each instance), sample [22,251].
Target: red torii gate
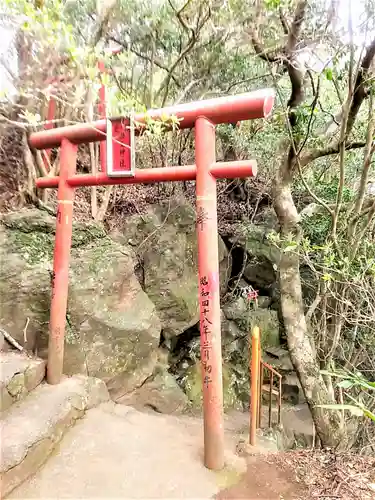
[203,116]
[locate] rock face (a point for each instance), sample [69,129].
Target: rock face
[165,242]
[246,318]
[112,326]
[160,392]
[127,293]
[32,428]
[187,367]
[109,312]
[19,375]
[26,248]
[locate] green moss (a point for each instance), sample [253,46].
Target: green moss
[192,384]
[99,257]
[71,335]
[83,234]
[33,247]
[34,240]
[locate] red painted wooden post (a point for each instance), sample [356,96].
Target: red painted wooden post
[61,256]
[209,296]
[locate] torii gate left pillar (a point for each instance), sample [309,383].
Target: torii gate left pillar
[203,116]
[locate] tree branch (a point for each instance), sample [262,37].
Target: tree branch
[292,64]
[369,152]
[146,57]
[360,87]
[270,56]
[331,149]
[284,22]
[164,87]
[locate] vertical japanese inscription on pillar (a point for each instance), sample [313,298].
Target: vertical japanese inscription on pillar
[202,218]
[206,330]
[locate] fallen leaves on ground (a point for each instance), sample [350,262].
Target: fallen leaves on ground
[330,475]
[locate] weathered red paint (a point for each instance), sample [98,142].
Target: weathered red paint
[63,238]
[220,110]
[209,295]
[220,170]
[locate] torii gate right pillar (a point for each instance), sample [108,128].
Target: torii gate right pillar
[209,295]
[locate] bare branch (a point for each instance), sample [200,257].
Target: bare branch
[360,87]
[295,29]
[284,22]
[179,15]
[146,57]
[368,154]
[292,64]
[331,149]
[271,56]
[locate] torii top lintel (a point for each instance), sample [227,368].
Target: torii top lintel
[229,109]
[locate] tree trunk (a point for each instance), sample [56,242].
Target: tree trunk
[301,346]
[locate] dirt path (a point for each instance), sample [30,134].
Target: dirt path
[266,480]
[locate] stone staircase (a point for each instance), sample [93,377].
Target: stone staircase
[35,416]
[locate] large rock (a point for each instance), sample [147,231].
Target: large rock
[246,317]
[255,240]
[260,273]
[112,326]
[19,374]
[192,384]
[160,392]
[187,367]
[32,429]
[165,242]
[26,249]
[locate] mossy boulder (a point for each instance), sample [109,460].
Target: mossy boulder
[159,392]
[254,239]
[192,384]
[165,242]
[112,326]
[25,285]
[235,367]
[246,316]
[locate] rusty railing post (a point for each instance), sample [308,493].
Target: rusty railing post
[279,403]
[270,401]
[63,239]
[209,296]
[254,402]
[260,392]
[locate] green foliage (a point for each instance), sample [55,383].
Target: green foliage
[349,381]
[328,191]
[316,229]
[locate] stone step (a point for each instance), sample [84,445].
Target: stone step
[32,428]
[19,374]
[266,388]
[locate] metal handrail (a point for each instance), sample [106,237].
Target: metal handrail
[273,372]
[257,367]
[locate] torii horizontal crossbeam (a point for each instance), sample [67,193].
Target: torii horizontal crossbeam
[225,170]
[229,109]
